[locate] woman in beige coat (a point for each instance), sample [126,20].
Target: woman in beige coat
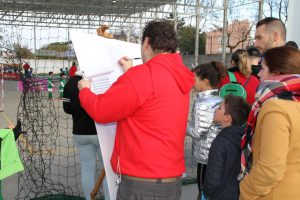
[271,145]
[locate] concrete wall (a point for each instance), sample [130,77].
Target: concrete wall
[205,58]
[47,65]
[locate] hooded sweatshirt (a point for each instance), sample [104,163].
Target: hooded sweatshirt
[150,104]
[82,123]
[224,165]
[10,162]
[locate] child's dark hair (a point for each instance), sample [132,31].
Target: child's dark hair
[50,73]
[238,108]
[212,71]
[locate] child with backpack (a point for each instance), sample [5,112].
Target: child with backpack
[200,127]
[221,182]
[242,82]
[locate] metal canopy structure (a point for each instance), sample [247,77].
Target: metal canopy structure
[88,13]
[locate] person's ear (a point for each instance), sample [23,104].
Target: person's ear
[228,118]
[276,36]
[146,43]
[206,81]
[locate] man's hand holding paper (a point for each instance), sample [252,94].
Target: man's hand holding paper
[84,83]
[126,63]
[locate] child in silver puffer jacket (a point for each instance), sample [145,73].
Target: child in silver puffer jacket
[201,127]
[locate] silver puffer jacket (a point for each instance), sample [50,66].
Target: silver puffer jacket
[201,127]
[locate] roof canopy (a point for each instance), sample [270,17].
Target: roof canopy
[85,13]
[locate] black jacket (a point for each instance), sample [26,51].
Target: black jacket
[224,164]
[83,124]
[233,69]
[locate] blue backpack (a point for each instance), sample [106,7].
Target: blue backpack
[233,87]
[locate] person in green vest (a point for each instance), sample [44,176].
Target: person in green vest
[62,84]
[10,161]
[65,71]
[50,85]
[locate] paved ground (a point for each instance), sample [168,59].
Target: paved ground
[10,184]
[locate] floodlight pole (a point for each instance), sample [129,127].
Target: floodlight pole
[34,43]
[224,37]
[197,33]
[175,14]
[293,29]
[260,9]
[129,29]
[141,29]
[69,47]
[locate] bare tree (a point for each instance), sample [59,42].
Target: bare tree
[271,6]
[238,32]
[14,53]
[277,8]
[283,10]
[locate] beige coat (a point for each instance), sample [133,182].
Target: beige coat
[275,174]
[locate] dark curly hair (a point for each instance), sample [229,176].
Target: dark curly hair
[162,36]
[213,71]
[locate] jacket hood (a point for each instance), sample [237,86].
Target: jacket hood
[173,63]
[233,134]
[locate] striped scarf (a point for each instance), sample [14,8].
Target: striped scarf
[281,87]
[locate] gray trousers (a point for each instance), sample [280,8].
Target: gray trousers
[140,190]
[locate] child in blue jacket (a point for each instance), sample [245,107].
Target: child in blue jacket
[224,158]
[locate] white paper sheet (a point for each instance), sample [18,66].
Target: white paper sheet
[98,58]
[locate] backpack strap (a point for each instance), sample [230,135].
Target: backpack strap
[247,81]
[232,78]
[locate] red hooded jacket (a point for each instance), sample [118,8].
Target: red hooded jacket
[150,104]
[72,70]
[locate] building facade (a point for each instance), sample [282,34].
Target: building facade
[238,34]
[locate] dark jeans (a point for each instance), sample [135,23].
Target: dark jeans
[140,190]
[201,171]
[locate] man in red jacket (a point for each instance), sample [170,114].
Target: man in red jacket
[150,103]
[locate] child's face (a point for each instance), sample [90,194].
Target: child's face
[220,116]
